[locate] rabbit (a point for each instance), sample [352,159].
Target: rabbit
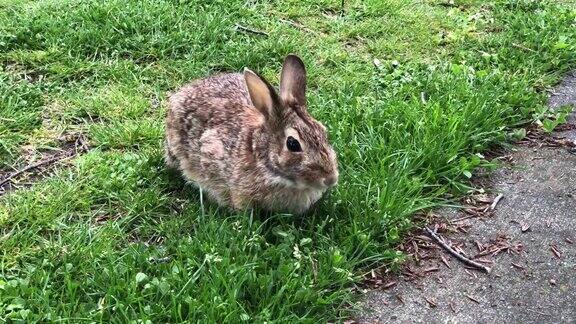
[248,146]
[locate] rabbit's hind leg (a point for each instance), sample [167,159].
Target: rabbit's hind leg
[170,158]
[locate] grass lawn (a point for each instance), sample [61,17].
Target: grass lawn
[410,90]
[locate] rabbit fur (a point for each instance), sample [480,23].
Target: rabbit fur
[247,145]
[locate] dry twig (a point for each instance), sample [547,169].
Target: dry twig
[463,218]
[389,285]
[431,269]
[524,48]
[459,256]
[298,25]
[472,298]
[83,148]
[555,250]
[250,30]
[518,266]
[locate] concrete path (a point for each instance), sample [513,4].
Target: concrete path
[537,215]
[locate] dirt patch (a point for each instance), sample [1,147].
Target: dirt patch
[528,242]
[23,72]
[70,146]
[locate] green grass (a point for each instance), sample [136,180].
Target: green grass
[114,236]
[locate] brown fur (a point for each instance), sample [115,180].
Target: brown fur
[227,133]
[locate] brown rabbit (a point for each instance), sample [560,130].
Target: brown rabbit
[246,146]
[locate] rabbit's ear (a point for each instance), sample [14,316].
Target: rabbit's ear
[263,95]
[293,81]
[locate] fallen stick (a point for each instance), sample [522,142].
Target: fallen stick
[31,167]
[250,30]
[518,266]
[524,48]
[556,251]
[493,251]
[462,218]
[299,26]
[389,285]
[472,299]
[458,256]
[67,155]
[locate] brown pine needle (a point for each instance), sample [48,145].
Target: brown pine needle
[472,299]
[431,302]
[517,266]
[443,259]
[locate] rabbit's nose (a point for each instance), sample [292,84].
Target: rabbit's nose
[330,181]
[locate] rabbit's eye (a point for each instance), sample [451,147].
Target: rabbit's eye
[293,145]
